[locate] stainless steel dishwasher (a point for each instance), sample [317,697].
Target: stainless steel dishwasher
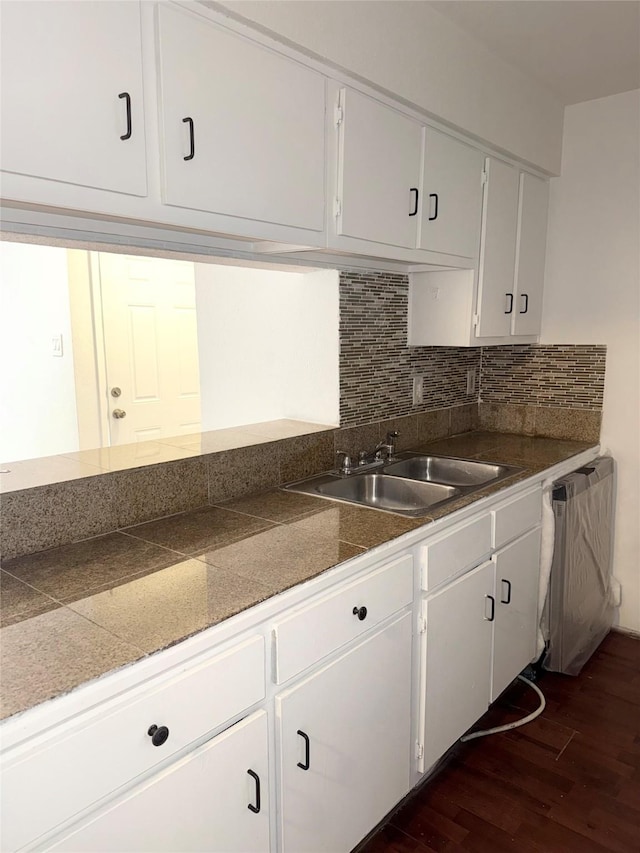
[579,607]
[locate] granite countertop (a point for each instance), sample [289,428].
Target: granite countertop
[73,613]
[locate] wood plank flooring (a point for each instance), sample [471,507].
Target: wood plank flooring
[569,782]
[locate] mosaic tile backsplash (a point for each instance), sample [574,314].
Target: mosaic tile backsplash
[550,391]
[376,365]
[561,376]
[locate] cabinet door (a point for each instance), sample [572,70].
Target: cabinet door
[242,126]
[378,172]
[514,644]
[215,799]
[70,74]
[456,660]
[530,254]
[101,754]
[496,301]
[345,744]
[452,200]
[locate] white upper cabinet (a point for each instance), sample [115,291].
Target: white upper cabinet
[512,254]
[530,255]
[497,249]
[502,302]
[403,186]
[242,127]
[378,192]
[72,100]
[243,137]
[452,196]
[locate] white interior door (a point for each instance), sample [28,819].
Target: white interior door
[345,744]
[151,347]
[201,802]
[496,298]
[514,644]
[378,172]
[73,131]
[530,254]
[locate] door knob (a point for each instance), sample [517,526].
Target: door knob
[119,413]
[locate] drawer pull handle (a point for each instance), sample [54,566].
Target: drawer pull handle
[493,608]
[255,809]
[360,612]
[158,735]
[304,765]
[506,600]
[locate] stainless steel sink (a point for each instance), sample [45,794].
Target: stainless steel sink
[408,497]
[455,472]
[410,485]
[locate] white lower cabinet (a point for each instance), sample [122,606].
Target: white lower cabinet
[335,729]
[215,799]
[479,631]
[344,736]
[107,748]
[516,615]
[457,659]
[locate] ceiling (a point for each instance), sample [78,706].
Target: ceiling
[579,49]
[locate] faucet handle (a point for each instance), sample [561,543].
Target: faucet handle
[343,462]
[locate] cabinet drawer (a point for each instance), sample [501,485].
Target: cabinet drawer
[199,802]
[324,626]
[516,517]
[111,746]
[464,548]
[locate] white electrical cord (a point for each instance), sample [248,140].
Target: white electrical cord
[508,726]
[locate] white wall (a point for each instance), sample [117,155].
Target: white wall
[311,320]
[409,49]
[37,390]
[592,291]
[268,344]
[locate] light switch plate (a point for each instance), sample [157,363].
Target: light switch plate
[56,346]
[418,390]
[471,380]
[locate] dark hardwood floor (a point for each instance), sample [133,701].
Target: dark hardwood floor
[569,782]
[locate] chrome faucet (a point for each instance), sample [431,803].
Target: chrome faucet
[387,447]
[382,452]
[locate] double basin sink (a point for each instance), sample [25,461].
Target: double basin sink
[411,484]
